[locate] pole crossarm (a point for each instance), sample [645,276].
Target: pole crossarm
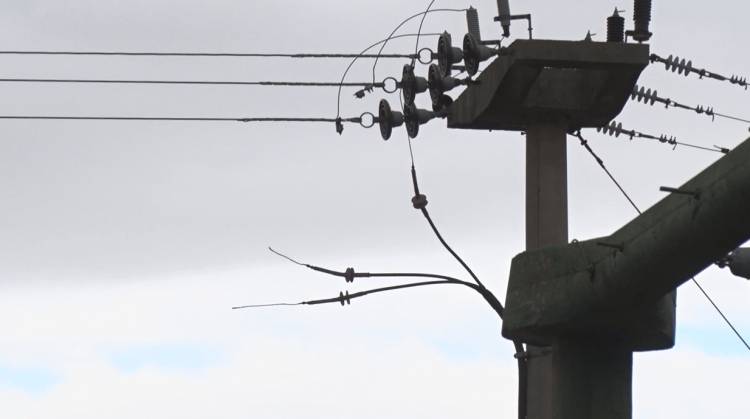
[602,286]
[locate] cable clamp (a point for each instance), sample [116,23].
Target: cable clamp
[344,298]
[419,201]
[349,275]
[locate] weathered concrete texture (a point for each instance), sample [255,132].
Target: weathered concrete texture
[583,380]
[588,289]
[575,83]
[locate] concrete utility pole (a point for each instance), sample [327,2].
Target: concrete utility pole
[547,88]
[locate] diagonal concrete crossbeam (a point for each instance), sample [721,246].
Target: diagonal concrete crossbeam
[608,287]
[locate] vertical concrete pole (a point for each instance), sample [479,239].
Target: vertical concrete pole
[575,378]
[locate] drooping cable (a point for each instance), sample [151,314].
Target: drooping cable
[710,300]
[345,298]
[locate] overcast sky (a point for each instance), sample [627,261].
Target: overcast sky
[124,245]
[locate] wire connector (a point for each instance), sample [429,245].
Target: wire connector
[344,299]
[419,201]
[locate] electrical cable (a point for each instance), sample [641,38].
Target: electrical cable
[345,298]
[204,54]
[615,129]
[685,67]
[357,120]
[710,300]
[196,82]
[650,97]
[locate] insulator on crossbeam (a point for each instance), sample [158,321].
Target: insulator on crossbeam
[411,85]
[475,53]
[648,96]
[448,55]
[439,85]
[388,119]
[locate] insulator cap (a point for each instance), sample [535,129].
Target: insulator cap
[412,85]
[388,119]
[447,54]
[475,53]
[414,117]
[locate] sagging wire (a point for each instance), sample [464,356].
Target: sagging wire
[685,67]
[615,129]
[651,97]
[638,210]
[419,201]
[345,298]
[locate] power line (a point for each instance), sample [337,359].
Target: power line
[203,54]
[197,82]
[651,97]
[710,300]
[685,67]
[345,298]
[615,129]
[357,120]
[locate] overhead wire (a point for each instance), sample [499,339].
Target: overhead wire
[196,82]
[203,54]
[637,209]
[651,97]
[615,129]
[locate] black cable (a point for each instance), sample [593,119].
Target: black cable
[178,119]
[204,54]
[449,249]
[405,21]
[615,129]
[350,274]
[710,300]
[194,82]
[721,313]
[598,159]
[650,97]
